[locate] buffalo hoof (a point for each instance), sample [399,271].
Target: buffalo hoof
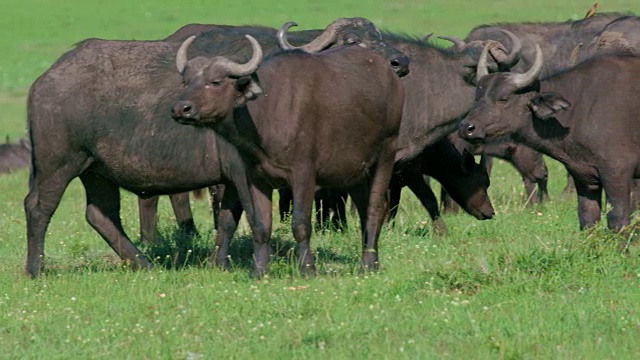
[370,260]
[440,228]
[141,262]
[258,273]
[33,271]
[308,270]
[188,228]
[220,262]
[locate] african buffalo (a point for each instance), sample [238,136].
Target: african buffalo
[584,117]
[438,92]
[620,36]
[300,132]
[14,156]
[340,32]
[528,162]
[562,44]
[559,40]
[456,170]
[101,113]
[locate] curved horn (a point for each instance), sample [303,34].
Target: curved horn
[235,69]
[426,37]
[516,46]
[325,39]
[523,80]
[282,36]
[181,56]
[482,69]
[459,43]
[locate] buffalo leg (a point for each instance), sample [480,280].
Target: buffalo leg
[261,220]
[182,209]
[216,192]
[543,192]
[589,204]
[395,191]
[635,194]
[571,186]
[285,197]
[255,200]
[45,192]
[618,190]
[377,205]
[428,199]
[530,191]
[339,204]
[103,214]
[324,205]
[228,218]
[530,165]
[303,196]
[449,206]
[148,210]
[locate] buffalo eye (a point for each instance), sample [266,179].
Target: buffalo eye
[503,101]
[214,83]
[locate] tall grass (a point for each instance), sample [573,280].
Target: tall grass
[526,284]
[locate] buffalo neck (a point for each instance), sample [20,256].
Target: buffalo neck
[437,96]
[558,40]
[560,137]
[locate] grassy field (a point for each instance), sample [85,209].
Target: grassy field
[524,285]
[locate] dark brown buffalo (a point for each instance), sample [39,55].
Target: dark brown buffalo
[584,117]
[14,156]
[620,36]
[456,170]
[340,32]
[438,92]
[102,113]
[559,40]
[528,162]
[300,133]
[562,44]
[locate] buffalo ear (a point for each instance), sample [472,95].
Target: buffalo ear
[547,105]
[248,88]
[468,162]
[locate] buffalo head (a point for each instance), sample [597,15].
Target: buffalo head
[350,31]
[471,190]
[214,86]
[501,59]
[505,102]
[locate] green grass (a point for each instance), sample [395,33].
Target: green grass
[526,284]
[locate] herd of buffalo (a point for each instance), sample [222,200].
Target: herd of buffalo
[324,114]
